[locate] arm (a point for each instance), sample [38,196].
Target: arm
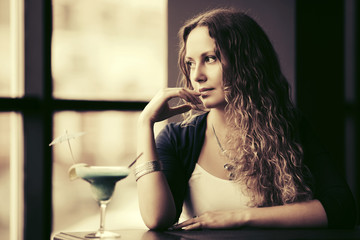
[156,202]
[310,214]
[155,199]
[296,215]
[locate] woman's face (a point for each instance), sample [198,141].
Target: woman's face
[205,68]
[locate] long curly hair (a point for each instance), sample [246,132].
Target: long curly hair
[263,142]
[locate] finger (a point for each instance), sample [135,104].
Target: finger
[195,97]
[185,223]
[192,91]
[198,107]
[181,109]
[194,226]
[190,96]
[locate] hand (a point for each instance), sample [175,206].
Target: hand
[158,108]
[214,220]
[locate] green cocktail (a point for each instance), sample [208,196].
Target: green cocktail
[102,181]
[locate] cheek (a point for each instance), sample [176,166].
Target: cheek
[219,78]
[219,74]
[191,84]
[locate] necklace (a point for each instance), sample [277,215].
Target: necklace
[227,166]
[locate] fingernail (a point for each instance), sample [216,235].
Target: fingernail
[174,227]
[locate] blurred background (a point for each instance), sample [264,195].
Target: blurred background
[92,65]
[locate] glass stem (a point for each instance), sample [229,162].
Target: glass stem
[102,216]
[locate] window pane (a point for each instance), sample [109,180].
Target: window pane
[4,175]
[11,48]
[110,139]
[11,176]
[4,48]
[109,49]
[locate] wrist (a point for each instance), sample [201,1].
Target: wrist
[247,216]
[240,217]
[144,121]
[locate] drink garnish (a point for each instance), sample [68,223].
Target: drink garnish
[72,170]
[132,163]
[67,137]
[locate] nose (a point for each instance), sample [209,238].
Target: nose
[199,73]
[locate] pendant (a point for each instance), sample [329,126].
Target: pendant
[228,167]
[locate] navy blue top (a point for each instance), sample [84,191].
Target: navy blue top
[178,148]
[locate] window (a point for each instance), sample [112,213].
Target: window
[102,50]
[80,75]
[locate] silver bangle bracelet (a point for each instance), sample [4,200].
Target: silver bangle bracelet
[146,168]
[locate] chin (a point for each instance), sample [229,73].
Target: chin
[213,102]
[210,105]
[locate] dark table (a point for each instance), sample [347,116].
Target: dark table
[241,234]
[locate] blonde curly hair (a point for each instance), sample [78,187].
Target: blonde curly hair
[263,142]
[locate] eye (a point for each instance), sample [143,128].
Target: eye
[210,59]
[190,64]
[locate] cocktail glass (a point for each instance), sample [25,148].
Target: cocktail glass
[102,180]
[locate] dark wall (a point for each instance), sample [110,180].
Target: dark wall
[320,69]
[327,77]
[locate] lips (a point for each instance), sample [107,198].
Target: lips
[203,90]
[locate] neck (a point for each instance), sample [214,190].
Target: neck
[217,119]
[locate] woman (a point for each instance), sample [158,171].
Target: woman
[241,157]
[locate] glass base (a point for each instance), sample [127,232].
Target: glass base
[103,235]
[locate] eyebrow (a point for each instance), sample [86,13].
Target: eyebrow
[211,52]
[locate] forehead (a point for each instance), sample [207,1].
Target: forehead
[199,42]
